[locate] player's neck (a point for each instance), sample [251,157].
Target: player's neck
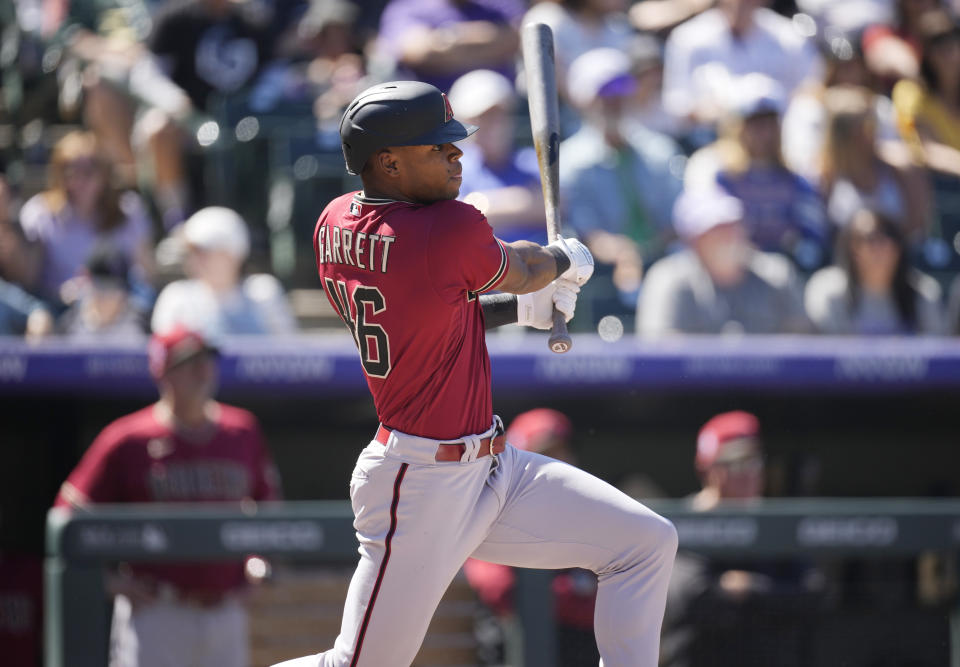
[193,420]
[375,188]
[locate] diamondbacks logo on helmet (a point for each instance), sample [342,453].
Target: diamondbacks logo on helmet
[448,110]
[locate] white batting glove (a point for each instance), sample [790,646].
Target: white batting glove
[581,261]
[536,309]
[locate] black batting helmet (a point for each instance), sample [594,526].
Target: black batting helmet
[398,113]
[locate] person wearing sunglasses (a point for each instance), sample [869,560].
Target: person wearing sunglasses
[872,289]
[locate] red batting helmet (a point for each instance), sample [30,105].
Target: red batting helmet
[534,429]
[174,347]
[727,436]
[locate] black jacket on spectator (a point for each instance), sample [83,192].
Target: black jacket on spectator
[206,52]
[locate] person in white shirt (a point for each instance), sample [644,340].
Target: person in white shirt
[215,298]
[580,26]
[736,37]
[720,284]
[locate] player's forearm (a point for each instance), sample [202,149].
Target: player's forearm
[498,309]
[532,267]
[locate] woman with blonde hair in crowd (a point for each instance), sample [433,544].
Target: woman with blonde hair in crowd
[80,209]
[928,109]
[872,288]
[856,174]
[805,120]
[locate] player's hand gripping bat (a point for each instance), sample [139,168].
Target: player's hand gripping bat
[539,64]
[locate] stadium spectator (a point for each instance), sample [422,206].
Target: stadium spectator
[547,432]
[215,298]
[205,51]
[857,175]
[616,182]
[210,47]
[804,122]
[835,17]
[22,314]
[103,308]
[734,38]
[106,74]
[926,107]
[720,284]
[953,308]
[19,259]
[437,41]
[782,212]
[646,65]
[327,69]
[580,26]
[185,448]
[728,611]
[662,16]
[893,49]
[500,179]
[81,208]
[873,289]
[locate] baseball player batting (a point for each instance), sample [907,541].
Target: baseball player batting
[408,268]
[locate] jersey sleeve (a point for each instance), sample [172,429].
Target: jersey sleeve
[464,255]
[96,479]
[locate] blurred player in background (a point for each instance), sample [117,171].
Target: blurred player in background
[185,448]
[729,460]
[731,611]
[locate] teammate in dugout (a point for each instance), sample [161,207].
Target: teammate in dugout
[186,447]
[408,266]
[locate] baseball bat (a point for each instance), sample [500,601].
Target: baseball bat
[541,77]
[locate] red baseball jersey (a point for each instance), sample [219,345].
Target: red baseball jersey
[139,459]
[405,280]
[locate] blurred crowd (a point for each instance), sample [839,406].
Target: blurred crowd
[737,166]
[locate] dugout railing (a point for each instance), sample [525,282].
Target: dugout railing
[80,545]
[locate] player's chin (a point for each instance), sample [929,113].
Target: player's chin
[453,188]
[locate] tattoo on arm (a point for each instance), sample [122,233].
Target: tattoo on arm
[498,309]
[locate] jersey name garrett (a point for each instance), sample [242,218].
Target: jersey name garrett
[343,246]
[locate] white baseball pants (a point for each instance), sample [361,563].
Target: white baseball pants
[171,634]
[417,522]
